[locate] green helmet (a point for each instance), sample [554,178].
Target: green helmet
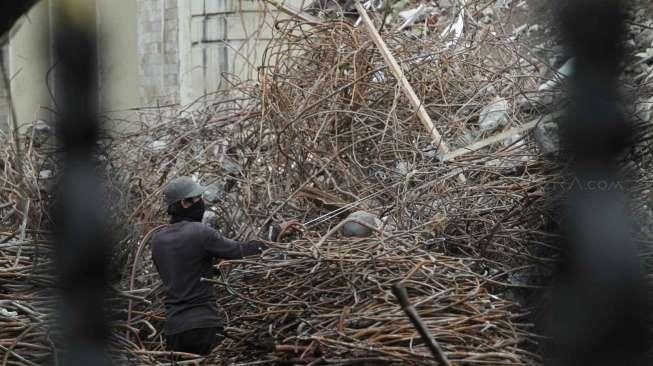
[181,188]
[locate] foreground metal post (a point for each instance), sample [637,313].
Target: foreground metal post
[399,291]
[81,241]
[600,311]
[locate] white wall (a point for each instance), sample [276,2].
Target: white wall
[222,36]
[31,56]
[29,61]
[118,57]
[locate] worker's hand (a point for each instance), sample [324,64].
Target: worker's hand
[259,244]
[277,232]
[288,227]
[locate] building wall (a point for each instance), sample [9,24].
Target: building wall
[4,94]
[151,52]
[29,62]
[221,42]
[187,48]
[158,51]
[118,58]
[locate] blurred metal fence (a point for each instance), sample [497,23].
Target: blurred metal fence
[600,310]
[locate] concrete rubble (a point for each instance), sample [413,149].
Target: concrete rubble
[351,228]
[494,115]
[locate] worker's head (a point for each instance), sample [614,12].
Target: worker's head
[183,196]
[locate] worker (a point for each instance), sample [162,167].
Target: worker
[184,252]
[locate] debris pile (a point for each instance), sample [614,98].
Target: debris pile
[330,298]
[333,135]
[26,301]
[328,137]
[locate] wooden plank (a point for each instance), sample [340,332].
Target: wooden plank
[423,116]
[499,137]
[392,63]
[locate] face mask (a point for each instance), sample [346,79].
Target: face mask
[196,211]
[193,213]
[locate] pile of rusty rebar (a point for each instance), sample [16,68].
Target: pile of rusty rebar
[332,134]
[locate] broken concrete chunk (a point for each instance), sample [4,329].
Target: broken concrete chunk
[42,132]
[494,115]
[516,141]
[407,14]
[210,218]
[645,38]
[40,126]
[455,29]
[45,174]
[157,146]
[466,139]
[546,137]
[519,30]
[431,152]
[230,167]
[564,71]
[8,313]
[488,91]
[644,109]
[506,166]
[214,192]
[355,229]
[645,56]
[378,77]
[415,15]
[402,168]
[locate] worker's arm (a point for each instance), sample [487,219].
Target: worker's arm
[220,247]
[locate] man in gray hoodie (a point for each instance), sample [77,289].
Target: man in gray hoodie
[184,252]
